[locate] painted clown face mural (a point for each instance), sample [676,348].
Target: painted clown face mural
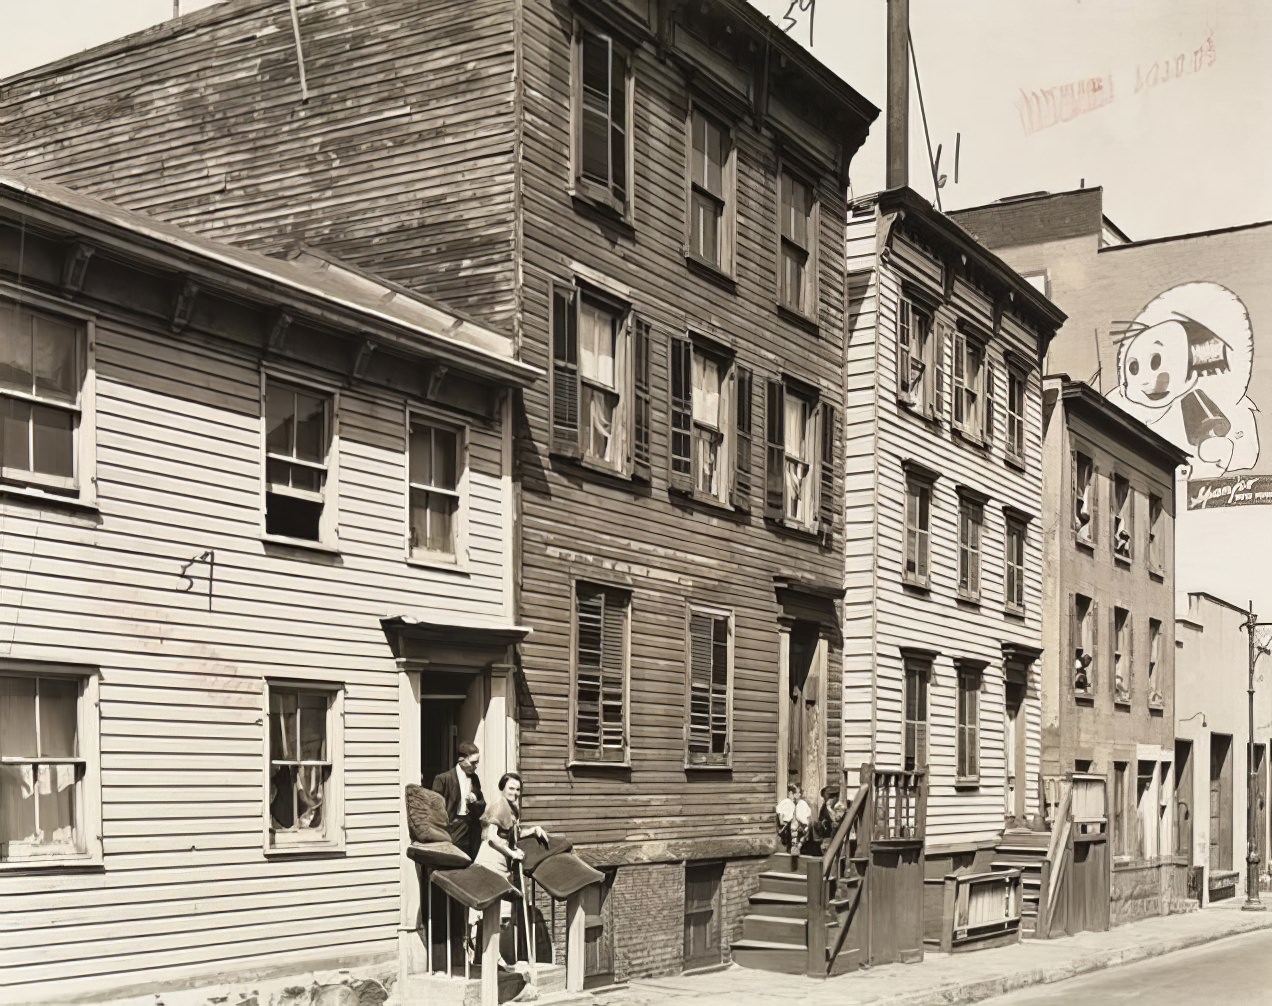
[1183,368]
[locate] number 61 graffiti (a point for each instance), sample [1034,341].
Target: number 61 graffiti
[796,8]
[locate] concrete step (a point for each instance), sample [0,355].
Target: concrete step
[791,932]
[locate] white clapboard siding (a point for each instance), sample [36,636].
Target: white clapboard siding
[880,615]
[186,888]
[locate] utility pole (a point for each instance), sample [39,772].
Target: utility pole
[1252,902]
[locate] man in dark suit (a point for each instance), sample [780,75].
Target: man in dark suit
[461,789]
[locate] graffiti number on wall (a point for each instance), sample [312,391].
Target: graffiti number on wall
[793,12]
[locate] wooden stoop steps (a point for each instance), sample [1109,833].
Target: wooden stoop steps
[1025,851]
[775,927]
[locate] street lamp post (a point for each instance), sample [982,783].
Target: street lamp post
[1252,902]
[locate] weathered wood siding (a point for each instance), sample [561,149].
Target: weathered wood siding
[935,619]
[401,161]
[186,889]
[666,552]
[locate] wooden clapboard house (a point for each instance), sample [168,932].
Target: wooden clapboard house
[650,197]
[943,610]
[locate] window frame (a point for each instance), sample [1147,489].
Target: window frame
[810,288]
[1122,656]
[1085,535]
[726,199]
[81,487]
[684,420]
[1123,512]
[1084,637]
[1155,698]
[88,796]
[593,191]
[578,758]
[329,522]
[969,400]
[917,668]
[970,683]
[1016,441]
[971,517]
[1018,524]
[1155,548]
[458,557]
[335,828]
[926,395]
[709,759]
[920,484]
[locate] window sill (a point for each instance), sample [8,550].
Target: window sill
[300,544]
[314,849]
[695,499]
[1122,703]
[708,767]
[797,317]
[56,501]
[1084,698]
[1011,611]
[968,782]
[1084,544]
[440,563]
[970,438]
[919,412]
[916,584]
[709,270]
[1156,708]
[1122,560]
[965,598]
[1015,461]
[599,203]
[67,864]
[584,464]
[802,531]
[1157,574]
[589,763]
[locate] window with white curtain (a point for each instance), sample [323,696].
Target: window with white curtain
[801,443]
[602,380]
[708,424]
[48,793]
[303,800]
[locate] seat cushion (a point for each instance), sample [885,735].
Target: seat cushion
[426,815]
[474,886]
[565,874]
[438,855]
[536,851]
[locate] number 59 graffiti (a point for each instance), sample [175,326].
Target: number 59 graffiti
[796,8]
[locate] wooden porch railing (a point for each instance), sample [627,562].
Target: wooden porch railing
[900,802]
[980,907]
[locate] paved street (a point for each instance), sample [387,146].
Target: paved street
[1236,971]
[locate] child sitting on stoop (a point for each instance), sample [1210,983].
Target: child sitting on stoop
[794,817]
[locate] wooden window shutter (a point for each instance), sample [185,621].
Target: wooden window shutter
[1093,498]
[699,726]
[589,650]
[1074,495]
[938,371]
[922,533]
[905,348]
[1075,637]
[775,452]
[743,439]
[827,503]
[987,377]
[565,370]
[643,418]
[958,388]
[680,462]
[613,680]
[720,687]
[975,518]
[911,530]
[1093,613]
[1128,658]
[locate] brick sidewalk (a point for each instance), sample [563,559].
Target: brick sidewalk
[957,978]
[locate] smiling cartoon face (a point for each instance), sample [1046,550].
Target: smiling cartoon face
[1155,365]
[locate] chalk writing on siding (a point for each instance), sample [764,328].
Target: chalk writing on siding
[208,557]
[1054,105]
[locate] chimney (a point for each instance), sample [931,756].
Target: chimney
[898,175]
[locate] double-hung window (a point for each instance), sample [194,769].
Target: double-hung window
[600,673]
[46,435]
[918,358]
[49,791]
[919,486]
[1123,661]
[710,434]
[971,523]
[602,114]
[1084,642]
[437,475]
[710,652]
[299,454]
[914,741]
[303,798]
[1014,564]
[1123,518]
[797,257]
[969,393]
[1155,698]
[710,191]
[967,742]
[1156,535]
[800,481]
[1016,387]
[598,381]
[1085,499]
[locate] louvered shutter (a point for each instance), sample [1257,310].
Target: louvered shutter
[775,452]
[958,388]
[975,515]
[923,501]
[743,437]
[719,688]
[588,672]
[613,646]
[699,687]
[1073,491]
[988,429]
[827,503]
[938,371]
[643,417]
[565,370]
[1093,497]
[680,463]
[905,348]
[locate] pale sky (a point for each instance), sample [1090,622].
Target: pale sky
[1174,154]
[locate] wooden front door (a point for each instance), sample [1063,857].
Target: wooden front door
[1184,800]
[802,710]
[1014,753]
[1261,805]
[1220,802]
[702,914]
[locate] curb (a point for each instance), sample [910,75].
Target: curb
[972,992]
